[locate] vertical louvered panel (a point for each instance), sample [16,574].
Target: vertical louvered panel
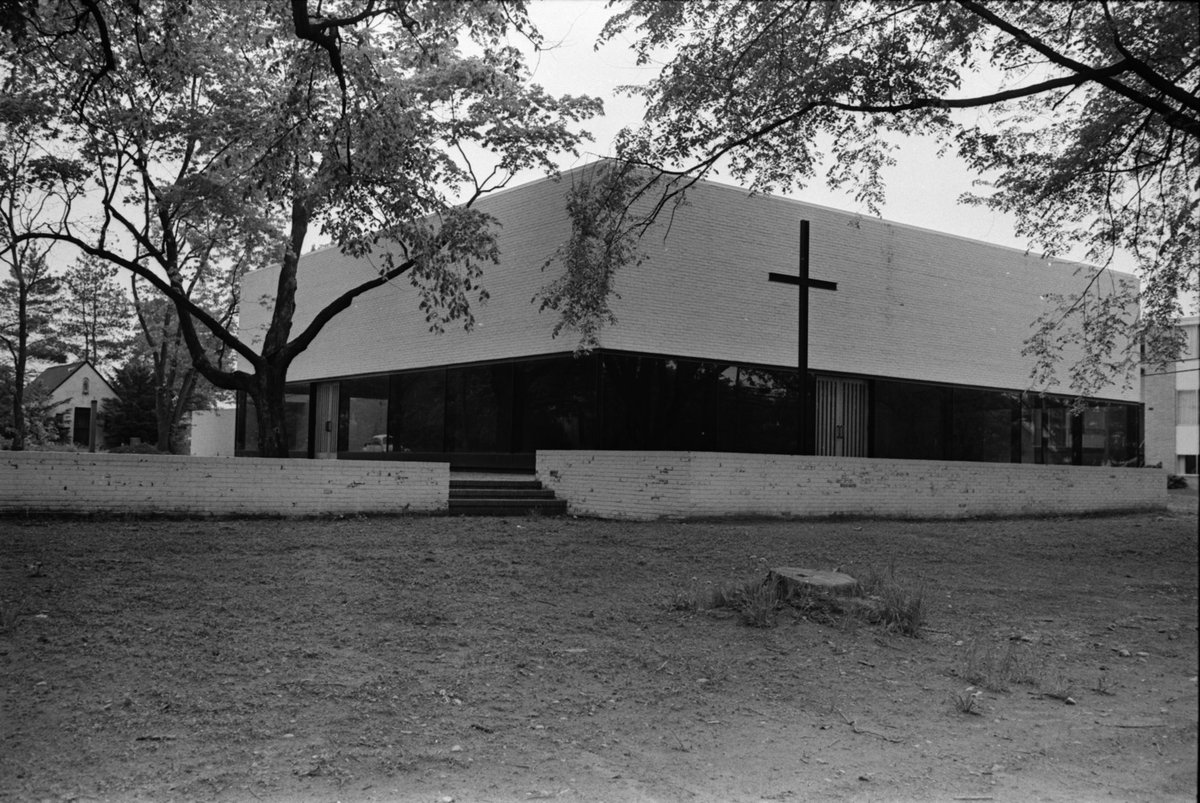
[826,415]
[854,417]
[841,417]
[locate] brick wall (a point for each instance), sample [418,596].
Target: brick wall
[385,329]
[77,483]
[911,303]
[649,485]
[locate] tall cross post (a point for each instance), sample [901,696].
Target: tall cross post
[803,283]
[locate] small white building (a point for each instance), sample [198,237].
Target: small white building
[213,433]
[79,391]
[1172,396]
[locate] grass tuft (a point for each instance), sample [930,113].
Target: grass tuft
[757,602]
[967,701]
[999,668]
[896,606]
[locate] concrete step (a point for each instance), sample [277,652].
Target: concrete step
[502,496]
[507,507]
[516,485]
[501,493]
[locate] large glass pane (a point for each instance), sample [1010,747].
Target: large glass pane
[296,405]
[629,399]
[1046,432]
[1187,408]
[984,426]
[295,410]
[479,408]
[248,437]
[911,420]
[765,415]
[417,412]
[1109,435]
[557,404]
[655,403]
[690,418]
[362,416]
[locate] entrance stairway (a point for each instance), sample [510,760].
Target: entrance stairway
[502,495]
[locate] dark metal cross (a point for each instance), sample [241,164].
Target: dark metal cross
[803,282]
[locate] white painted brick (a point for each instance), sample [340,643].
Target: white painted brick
[911,303]
[650,485]
[81,483]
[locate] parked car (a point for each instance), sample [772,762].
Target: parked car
[378,443]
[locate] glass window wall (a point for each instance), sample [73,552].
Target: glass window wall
[911,420]
[763,414]
[620,401]
[556,404]
[479,408]
[417,413]
[362,416]
[296,415]
[985,425]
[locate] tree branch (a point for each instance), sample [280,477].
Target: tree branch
[1172,116]
[1146,72]
[181,301]
[338,305]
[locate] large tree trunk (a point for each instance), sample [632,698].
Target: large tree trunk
[183,401]
[271,410]
[18,398]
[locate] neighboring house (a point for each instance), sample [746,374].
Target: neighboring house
[1172,396]
[915,341]
[73,389]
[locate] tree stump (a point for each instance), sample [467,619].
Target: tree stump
[790,581]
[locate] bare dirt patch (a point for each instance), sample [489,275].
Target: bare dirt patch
[426,659]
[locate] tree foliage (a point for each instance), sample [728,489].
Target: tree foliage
[132,413]
[178,387]
[29,292]
[96,313]
[603,240]
[39,415]
[217,136]
[1088,134]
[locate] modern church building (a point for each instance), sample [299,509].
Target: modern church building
[914,348]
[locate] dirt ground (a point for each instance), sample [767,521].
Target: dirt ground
[438,659]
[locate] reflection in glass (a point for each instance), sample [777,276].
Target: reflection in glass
[984,423]
[362,416]
[556,406]
[764,414]
[479,408]
[910,420]
[296,416]
[417,413]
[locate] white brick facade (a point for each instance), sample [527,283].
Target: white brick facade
[911,303]
[653,485]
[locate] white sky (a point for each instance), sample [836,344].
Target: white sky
[922,189]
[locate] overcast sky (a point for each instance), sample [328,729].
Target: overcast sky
[922,188]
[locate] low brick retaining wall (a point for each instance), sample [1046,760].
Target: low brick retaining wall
[650,485]
[80,483]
